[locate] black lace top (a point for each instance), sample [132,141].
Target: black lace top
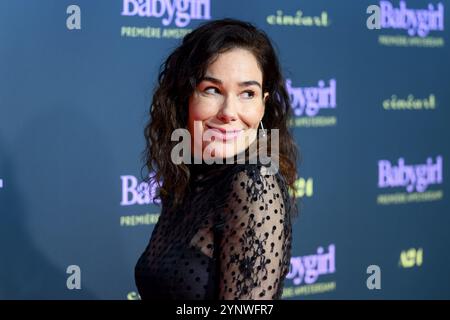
[230,240]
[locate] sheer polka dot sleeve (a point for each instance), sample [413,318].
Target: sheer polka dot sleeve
[256,238]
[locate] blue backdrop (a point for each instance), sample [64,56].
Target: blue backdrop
[369,86]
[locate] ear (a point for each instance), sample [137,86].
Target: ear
[266,95]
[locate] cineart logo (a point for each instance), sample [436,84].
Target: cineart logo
[134,192]
[309,100]
[417,21]
[413,177]
[307,269]
[182,10]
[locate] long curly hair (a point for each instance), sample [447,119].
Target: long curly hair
[178,77]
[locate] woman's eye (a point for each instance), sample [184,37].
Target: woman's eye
[211,90]
[249,94]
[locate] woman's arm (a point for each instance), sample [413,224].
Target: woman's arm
[254,242]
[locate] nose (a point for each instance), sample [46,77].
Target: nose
[228,110]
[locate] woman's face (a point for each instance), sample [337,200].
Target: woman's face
[226,107]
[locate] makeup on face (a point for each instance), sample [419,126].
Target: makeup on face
[228,101]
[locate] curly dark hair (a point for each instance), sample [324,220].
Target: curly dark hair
[178,77]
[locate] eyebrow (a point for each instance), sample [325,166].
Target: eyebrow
[241,84]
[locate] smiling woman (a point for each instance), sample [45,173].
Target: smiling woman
[228,100]
[225,230]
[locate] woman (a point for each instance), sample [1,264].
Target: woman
[225,229]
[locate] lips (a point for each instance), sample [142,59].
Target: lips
[224,134]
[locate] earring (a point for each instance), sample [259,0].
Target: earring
[262,127]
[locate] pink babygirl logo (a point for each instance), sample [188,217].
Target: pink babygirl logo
[180,11]
[412,177]
[307,269]
[416,21]
[309,100]
[138,193]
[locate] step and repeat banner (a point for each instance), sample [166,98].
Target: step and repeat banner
[369,83]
